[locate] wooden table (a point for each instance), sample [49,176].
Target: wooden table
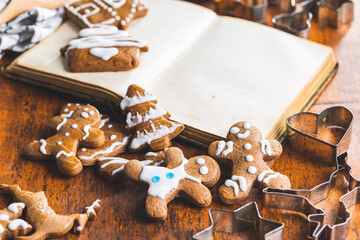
[25,110]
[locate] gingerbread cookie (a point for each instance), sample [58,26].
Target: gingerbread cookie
[247,152]
[11,225]
[95,13]
[103,49]
[45,221]
[180,177]
[112,168]
[80,129]
[116,142]
[148,121]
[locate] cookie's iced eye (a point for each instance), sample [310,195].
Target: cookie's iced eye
[170,175]
[155,179]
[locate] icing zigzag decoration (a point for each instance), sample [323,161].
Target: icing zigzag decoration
[147,121]
[94,13]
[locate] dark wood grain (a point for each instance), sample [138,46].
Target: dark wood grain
[25,110]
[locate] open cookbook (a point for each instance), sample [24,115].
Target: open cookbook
[208,71]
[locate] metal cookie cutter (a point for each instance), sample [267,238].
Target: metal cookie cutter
[303,201]
[297,23]
[241,219]
[334,13]
[296,5]
[323,136]
[254,10]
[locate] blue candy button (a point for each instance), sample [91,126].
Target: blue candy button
[170,175]
[155,179]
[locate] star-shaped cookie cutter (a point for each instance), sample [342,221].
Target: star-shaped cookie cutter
[335,13]
[239,220]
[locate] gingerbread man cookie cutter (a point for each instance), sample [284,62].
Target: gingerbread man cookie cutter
[335,13]
[239,220]
[296,23]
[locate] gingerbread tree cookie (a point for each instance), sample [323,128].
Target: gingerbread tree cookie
[45,221]
[148,121]
[94,13]
[80,129]
[180,177]
[247,152]
[112,168]
[11,226]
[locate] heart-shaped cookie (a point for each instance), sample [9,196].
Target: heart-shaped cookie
[324,135]
[297,23]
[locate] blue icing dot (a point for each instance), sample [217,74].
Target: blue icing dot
[155,179]
[170,175]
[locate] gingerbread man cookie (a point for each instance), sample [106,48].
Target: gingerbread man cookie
[148,121]
[11,226]
[248,153]
[112,168]
[80,129]
[94,13]
[180,177]
[45,221]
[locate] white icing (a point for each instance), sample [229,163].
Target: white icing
[229,149]
[251,170]
[247,146]
[86,131]
[231,183]
[67,115]
[200,161]
[83,149]
[112,137]
[203,170]
[74,125]
[267,179]
[91,208]
[91,112]
[84,115]
[42,147]
[67,134]
[151,154]
[265,147]
[107,150]
[118,39]
[220,147]
[152,113]
[59,143]
[4,217]
[243,135]
[42,210]
[78,104]
[60,125]
[64,153]
[249,158]
[147,137]
[14,224]
[114,160]
[167,179]
[247,125]
[262,174]
[14,207]
[110,126]
[69,104]
[104,30]
[103,121]
[104,53]
[234,130]
[120,169]
[137,99]
[2,229]
[66,110]
[86,109]
[242,182]
[79,229]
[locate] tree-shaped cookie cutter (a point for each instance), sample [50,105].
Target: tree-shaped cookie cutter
[302,132]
